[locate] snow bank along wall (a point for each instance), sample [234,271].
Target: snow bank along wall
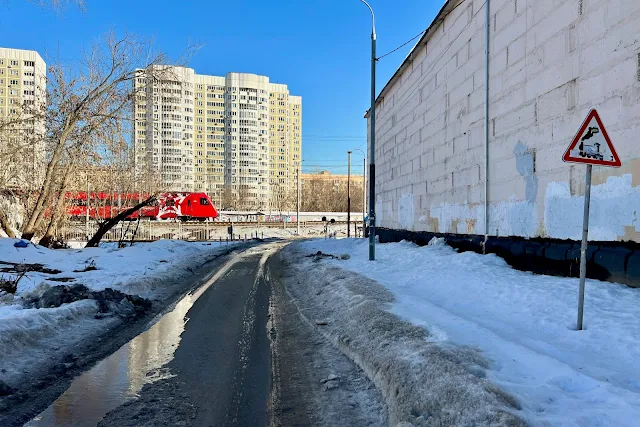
[550,62]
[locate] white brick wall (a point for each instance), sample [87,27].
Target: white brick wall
[549,65]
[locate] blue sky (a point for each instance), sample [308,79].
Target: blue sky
[320,49]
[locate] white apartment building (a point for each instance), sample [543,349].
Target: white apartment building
[22,93]
[239,134]
[163,125]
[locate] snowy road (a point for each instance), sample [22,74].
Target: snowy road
[235,352]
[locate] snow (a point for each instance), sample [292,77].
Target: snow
[423,383]
[151,270]
[117,268]
[525,324]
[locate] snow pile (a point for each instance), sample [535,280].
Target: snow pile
[423,383]
[132,269]
[524,324]
[150,270]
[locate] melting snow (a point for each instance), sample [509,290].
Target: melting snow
[523,323]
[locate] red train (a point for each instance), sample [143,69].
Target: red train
[183,206]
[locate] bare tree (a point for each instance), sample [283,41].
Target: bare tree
[4,224]
[83,106]
[282,198]
[324,195]
[107,225]
[58,5]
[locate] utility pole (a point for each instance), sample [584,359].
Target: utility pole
[298,199]
[364,188]
[364,193]
[349,194]
[372,161]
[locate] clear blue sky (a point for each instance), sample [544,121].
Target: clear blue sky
[320,49]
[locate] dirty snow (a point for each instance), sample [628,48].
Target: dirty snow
[524,324]
[116,268]
[423,383]
[151,270]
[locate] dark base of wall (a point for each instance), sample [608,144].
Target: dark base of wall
[610,261]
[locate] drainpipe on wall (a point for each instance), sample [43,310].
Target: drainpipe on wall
[486,132]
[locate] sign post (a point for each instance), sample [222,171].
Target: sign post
[591,146]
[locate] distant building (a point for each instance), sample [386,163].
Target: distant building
[22,95]
[325,192]
[238,136]
[327,176]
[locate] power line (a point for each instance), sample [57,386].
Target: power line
[420,34]
[333,139]
[333,136]
[401,46]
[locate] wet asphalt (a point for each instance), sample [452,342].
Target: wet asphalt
[220,373]
[223,358]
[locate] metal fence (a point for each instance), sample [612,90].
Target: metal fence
[154,230]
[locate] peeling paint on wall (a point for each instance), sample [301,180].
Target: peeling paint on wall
[513,218]
[509,218]
[614,208]
[384,213]
[526,166]
[447,214]
[406,212]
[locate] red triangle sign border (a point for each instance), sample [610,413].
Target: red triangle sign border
[567,155]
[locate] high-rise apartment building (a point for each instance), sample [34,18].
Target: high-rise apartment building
[22,99]
[236,137]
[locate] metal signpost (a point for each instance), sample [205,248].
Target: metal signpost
[591,146]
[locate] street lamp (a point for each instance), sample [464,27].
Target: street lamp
[349,195]
[364,186]
[372,163]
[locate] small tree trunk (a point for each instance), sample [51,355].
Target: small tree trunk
[112,222]
[4,224]
[46,190]
[58,211]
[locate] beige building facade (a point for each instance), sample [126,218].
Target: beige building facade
[549,64]
[238,135]
[335,179]
[22,125]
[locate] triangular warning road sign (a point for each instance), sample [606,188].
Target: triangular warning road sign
[592,144]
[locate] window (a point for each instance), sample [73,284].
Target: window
[204,201]
[14,63]
[14,72]
[29,63]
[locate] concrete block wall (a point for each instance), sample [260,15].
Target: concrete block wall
[551,61]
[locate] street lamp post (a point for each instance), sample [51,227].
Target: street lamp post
[349,195]
[372,163]
[364,187]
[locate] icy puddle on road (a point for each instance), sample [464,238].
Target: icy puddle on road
[119,377]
